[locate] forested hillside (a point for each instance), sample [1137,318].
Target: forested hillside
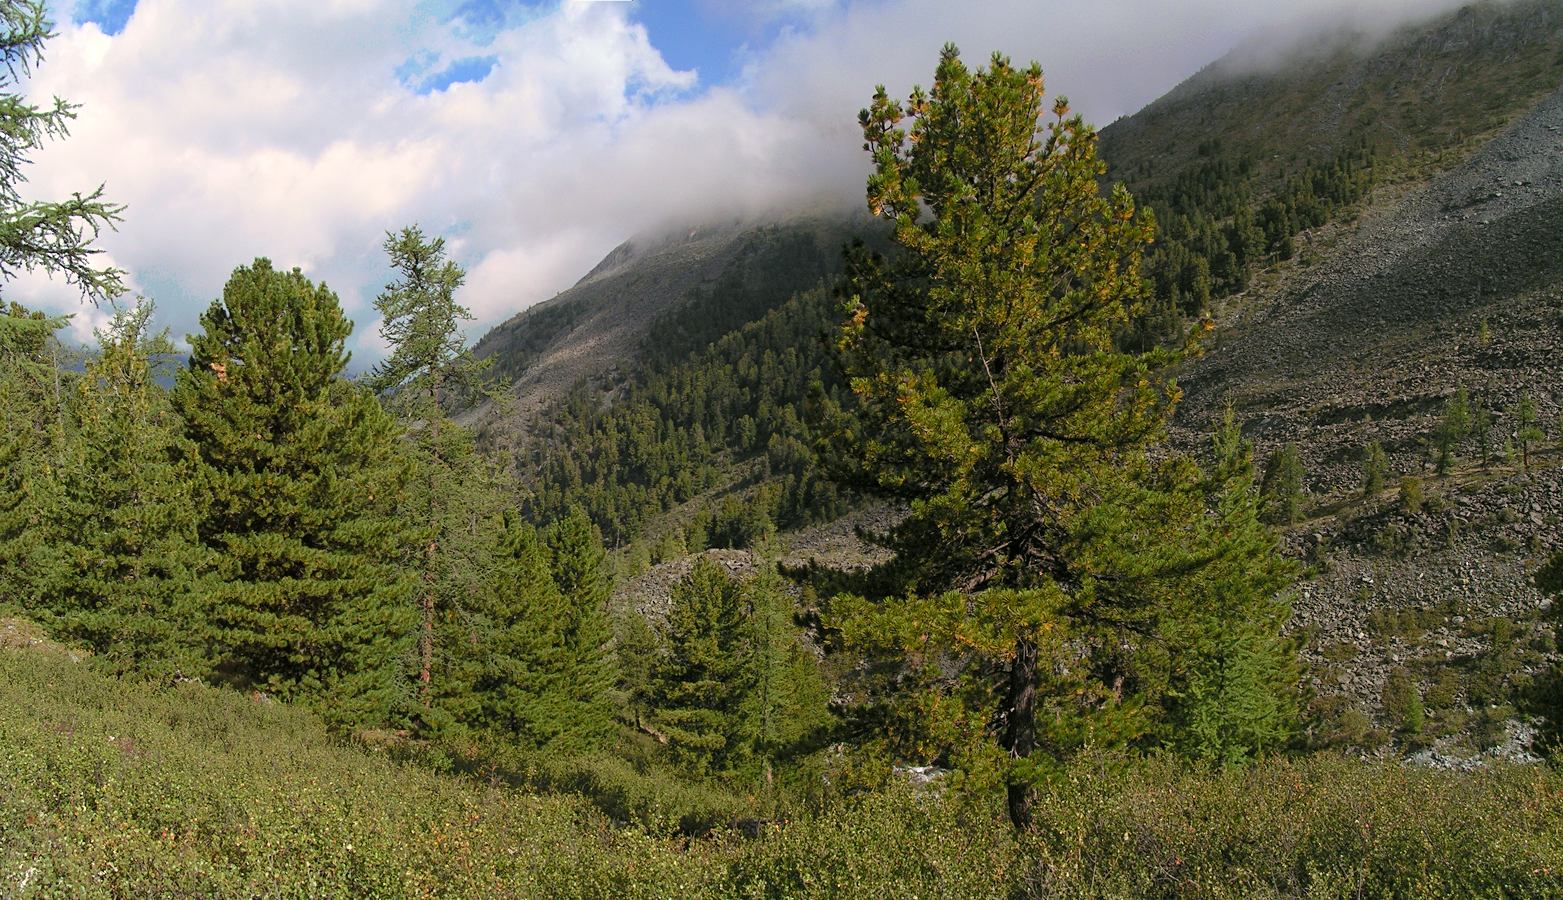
[1200,479]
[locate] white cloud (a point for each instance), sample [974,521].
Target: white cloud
[233,128]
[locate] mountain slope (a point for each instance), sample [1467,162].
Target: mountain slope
[1371,222]
[598,326]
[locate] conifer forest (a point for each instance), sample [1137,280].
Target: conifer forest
[1165,510]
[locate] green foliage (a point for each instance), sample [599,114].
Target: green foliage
[675,430]
[528,660]
[123,789]
[1375,469]
[117,554]
[789,702]
[701,686]
[1235,695]
[586,671]
[1282,489]
[297,474]
[55,236]
[1410,495]
[33,393]
[1221,219]
[1402,700]
[453,501]
[1527,427]
[1047,557]
[1453,429]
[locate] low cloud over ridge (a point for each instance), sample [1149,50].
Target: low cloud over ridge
[303,129]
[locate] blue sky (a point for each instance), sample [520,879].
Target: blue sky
[535,136]
[705,35]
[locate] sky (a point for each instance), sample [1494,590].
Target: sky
[533,136]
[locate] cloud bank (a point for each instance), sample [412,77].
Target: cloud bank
[534,137]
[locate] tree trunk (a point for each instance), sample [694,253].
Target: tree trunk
[1020,725]
[426,633]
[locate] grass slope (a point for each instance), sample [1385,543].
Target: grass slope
[109,789]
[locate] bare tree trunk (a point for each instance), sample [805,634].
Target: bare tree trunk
[1020,725]
[426,633]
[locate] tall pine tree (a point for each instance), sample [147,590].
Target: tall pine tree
[298,474]
[1047,551]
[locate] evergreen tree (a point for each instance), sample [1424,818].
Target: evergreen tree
[1048,556]
[33,392]
[1453,429]
[1527,427]
[505,676]
[701,687]
[298,475]
[55,236]
[1235,695]
[1282,487]
[1375,469]
[428,364]
[789,702]
[118,551]
[636,649]
[586,664]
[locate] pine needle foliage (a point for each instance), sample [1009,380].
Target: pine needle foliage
[118,556]
[1048,558]
[298,473]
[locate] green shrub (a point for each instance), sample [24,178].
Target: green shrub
[1411,495]
[1402,700]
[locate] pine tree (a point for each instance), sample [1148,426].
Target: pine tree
[298,475]
[33,392]
[1234,696]
[789,702]
[701,687]
[587,675]
[1375,469]
[1453,429]
[118,550]
[1282,487]
[428,365]
[505,676]
[1527,427]
[1047,553]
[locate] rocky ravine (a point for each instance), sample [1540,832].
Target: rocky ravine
[1370,345]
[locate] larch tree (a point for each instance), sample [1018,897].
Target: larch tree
[428,366]
[53,236]
[1047,552]
[298,474]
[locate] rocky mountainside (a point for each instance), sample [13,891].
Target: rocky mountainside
[596,328]
[1456,284]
